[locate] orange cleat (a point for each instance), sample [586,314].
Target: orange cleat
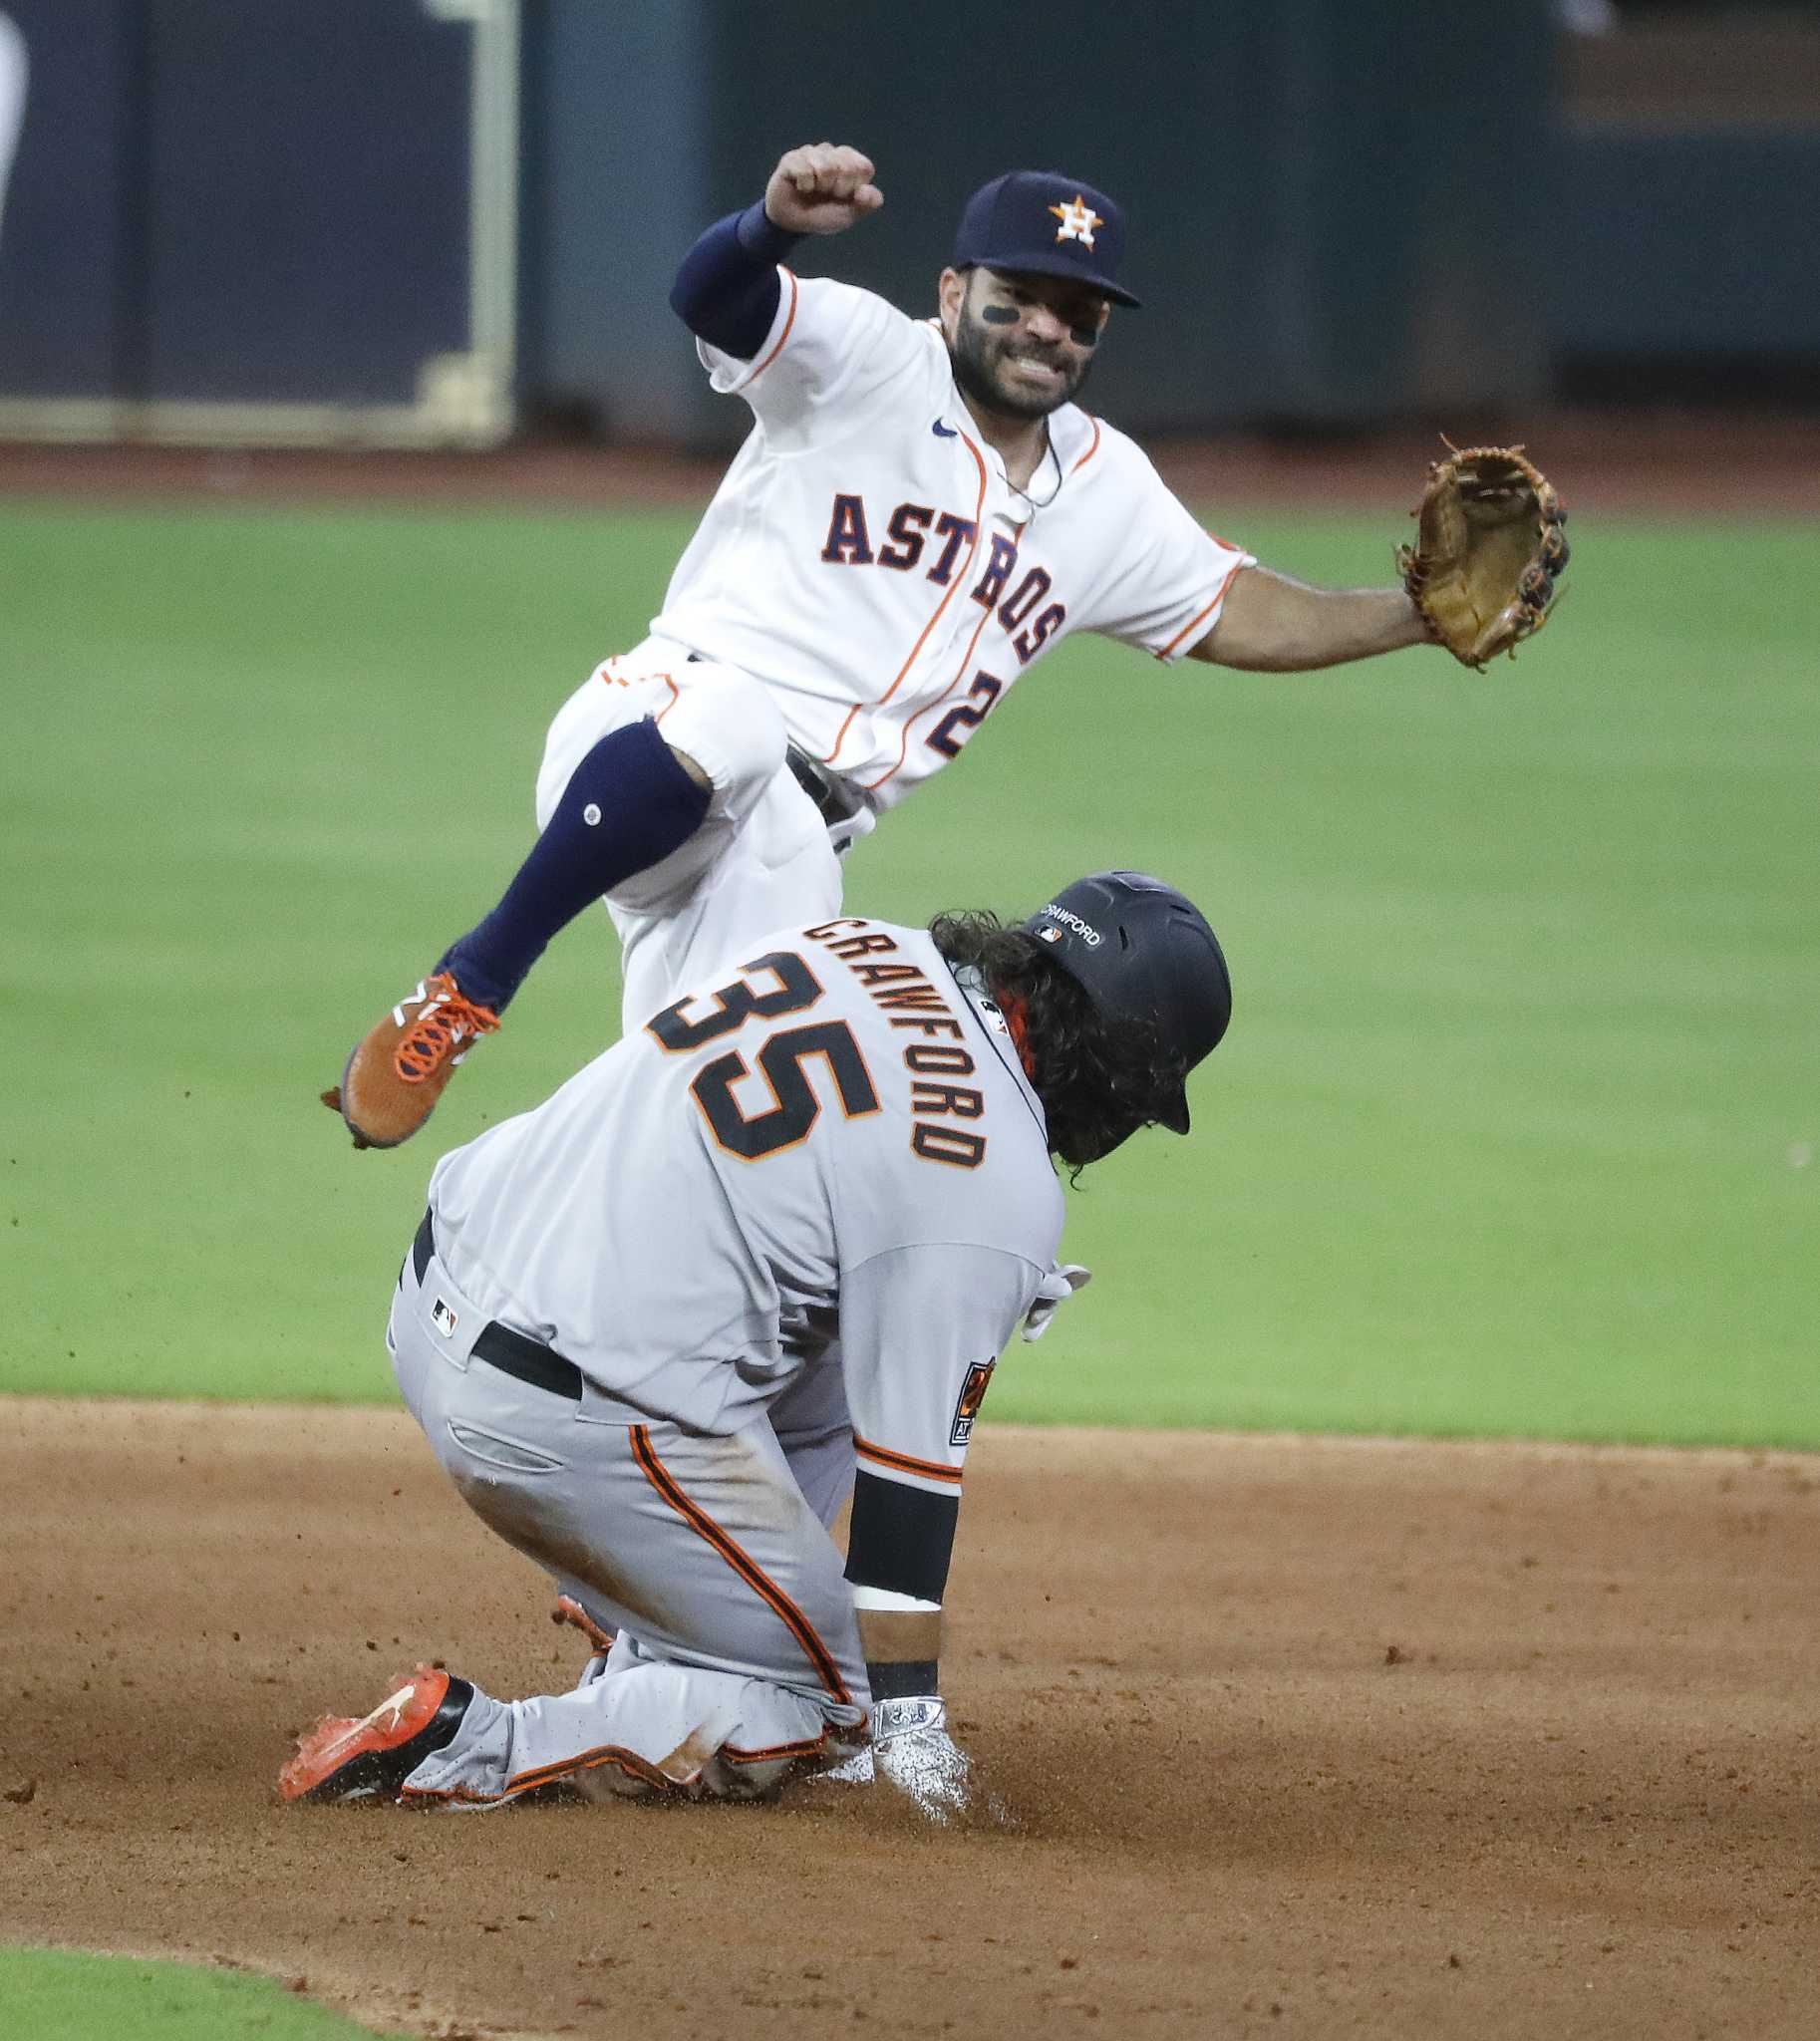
[397,1073]
[569,1611]
[370,1759]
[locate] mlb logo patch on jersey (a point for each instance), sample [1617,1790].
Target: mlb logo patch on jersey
[973,1394]
[1051,934]
[444,1318]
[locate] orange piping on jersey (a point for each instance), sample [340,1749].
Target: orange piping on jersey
[903,749]
[1091,451]
[676,694]
[960,674]
[1219,596]
[789,277]
[904,1462]
[755,1577]
[959,581]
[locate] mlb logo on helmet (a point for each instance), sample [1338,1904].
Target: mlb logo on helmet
[1086,930]
[1041,224]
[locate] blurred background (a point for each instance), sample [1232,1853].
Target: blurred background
[343,426]
[443,221]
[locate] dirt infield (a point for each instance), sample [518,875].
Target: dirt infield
[1716,463]
[1306,1738]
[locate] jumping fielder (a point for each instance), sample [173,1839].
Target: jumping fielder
[920,512]
[783,1229]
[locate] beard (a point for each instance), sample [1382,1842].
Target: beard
[979,355]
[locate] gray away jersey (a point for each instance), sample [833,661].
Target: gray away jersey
[837,1125]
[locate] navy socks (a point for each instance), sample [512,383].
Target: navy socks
[628,804]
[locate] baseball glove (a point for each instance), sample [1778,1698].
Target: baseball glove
[1488,551]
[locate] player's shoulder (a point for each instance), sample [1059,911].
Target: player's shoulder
[1095,451]
[854,346]
[827,303]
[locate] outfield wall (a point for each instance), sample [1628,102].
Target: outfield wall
[437,222]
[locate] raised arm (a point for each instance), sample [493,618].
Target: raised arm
[1272,624]
[726,290]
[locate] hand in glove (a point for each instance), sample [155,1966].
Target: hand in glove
[1053,1293]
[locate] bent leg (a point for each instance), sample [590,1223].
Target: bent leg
[748,1662]
[630,803]
[652,1728]
[776,871]
[651,773]
[761,859]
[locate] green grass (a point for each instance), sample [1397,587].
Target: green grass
[63,1995]
[1509,1134]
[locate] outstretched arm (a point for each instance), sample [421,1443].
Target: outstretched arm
[1271,624]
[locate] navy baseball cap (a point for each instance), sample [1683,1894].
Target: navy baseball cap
[1046,224]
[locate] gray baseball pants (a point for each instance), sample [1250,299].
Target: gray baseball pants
[739,1660]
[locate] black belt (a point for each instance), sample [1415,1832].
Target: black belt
[832,802]
[512,1353]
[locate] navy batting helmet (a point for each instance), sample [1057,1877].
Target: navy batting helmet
[1143,949]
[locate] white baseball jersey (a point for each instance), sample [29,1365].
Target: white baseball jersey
[838,1124]
[867,558]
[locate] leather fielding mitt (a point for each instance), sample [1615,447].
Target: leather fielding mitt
[1488,551]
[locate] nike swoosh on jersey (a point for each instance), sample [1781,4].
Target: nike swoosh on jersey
[943,431]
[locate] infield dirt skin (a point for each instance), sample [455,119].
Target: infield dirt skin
[1304,1737]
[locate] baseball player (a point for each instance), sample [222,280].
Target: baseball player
[919,514]
[779,1233]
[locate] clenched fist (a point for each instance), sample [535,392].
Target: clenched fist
[822,189]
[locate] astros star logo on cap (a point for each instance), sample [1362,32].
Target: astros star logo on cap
[1079,219]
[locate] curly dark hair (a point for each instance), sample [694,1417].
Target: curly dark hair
[1101,1077]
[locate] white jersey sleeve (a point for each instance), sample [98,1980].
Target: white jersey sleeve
[831,348]
[1169,576]
[921,1330]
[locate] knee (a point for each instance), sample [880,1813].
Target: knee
[727,726]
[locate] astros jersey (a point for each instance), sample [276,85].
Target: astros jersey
[839,1124]
[867,558]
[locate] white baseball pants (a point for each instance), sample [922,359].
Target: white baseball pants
[761,860]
